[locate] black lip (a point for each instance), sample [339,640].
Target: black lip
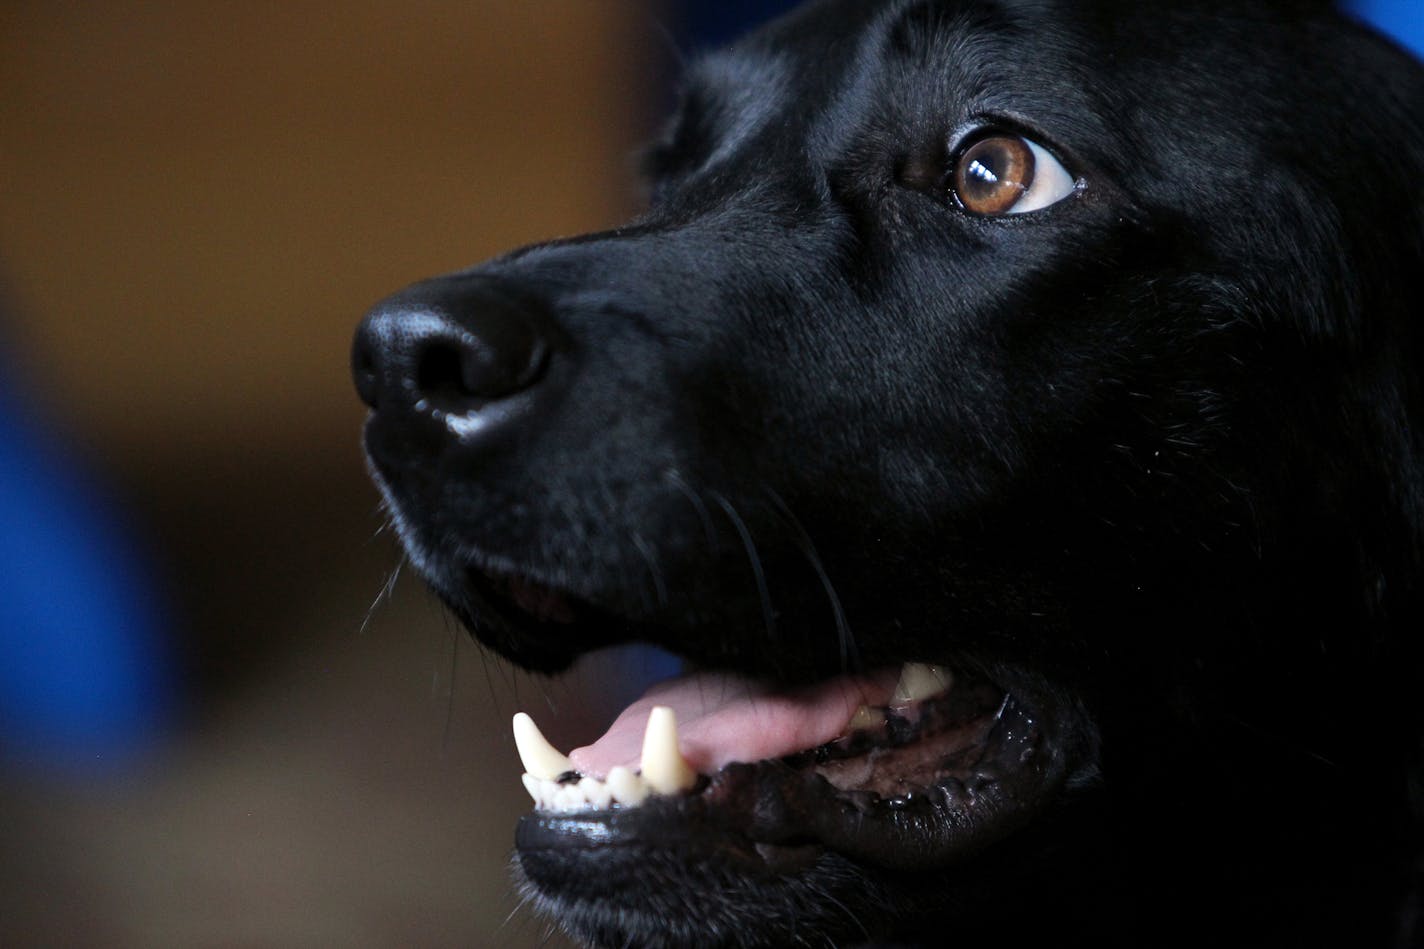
[521,600]
[781,817]
[540,626]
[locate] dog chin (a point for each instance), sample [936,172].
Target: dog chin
[720,809]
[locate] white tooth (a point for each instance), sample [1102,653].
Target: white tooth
[919,681]
[596,793]
[540,758]
[663,767]
[865,717]
[626,787]
[569,798]
[531,784]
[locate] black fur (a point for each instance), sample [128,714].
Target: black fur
[1151,456]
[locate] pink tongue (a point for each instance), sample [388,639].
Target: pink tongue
[722,718]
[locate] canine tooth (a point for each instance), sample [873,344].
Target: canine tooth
[663,768]
[540,758]
[596,793]
[920,681]
[626,787]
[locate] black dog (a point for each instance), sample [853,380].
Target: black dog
[1071,351]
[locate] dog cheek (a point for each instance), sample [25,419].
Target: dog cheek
[925,486]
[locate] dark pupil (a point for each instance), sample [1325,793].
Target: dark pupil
[994,174]
[986,171]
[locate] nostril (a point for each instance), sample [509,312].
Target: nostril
[439,372]
[478,369]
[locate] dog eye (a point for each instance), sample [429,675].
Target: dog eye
[1000,174]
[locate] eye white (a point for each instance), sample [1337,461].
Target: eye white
[1051,182]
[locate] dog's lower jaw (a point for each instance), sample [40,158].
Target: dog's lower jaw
[799,850]
[832,902]
[1030,887]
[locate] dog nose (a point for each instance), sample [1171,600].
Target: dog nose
[446,350]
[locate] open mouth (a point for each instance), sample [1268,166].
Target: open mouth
[904,767]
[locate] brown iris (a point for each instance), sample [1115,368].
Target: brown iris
[994,174]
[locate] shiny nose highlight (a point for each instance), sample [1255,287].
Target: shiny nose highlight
[444,350]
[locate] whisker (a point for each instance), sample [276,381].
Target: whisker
[450,690]
[485,658]
[384,594]
[388,521]
[757,571]
[452,632]
[850,653]
[522,901]
[676,480]
[665,34]
[648,555]
[851,916]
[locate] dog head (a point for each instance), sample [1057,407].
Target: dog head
[1066,352]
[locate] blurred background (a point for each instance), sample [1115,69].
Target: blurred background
[221,722]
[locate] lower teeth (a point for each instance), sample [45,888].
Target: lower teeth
[555,787]
[623,787]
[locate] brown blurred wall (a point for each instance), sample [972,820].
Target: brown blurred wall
[198,200]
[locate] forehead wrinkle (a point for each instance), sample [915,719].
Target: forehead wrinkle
[996,57]
[847,105]
[961,48]
[739,91]
[968,44]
